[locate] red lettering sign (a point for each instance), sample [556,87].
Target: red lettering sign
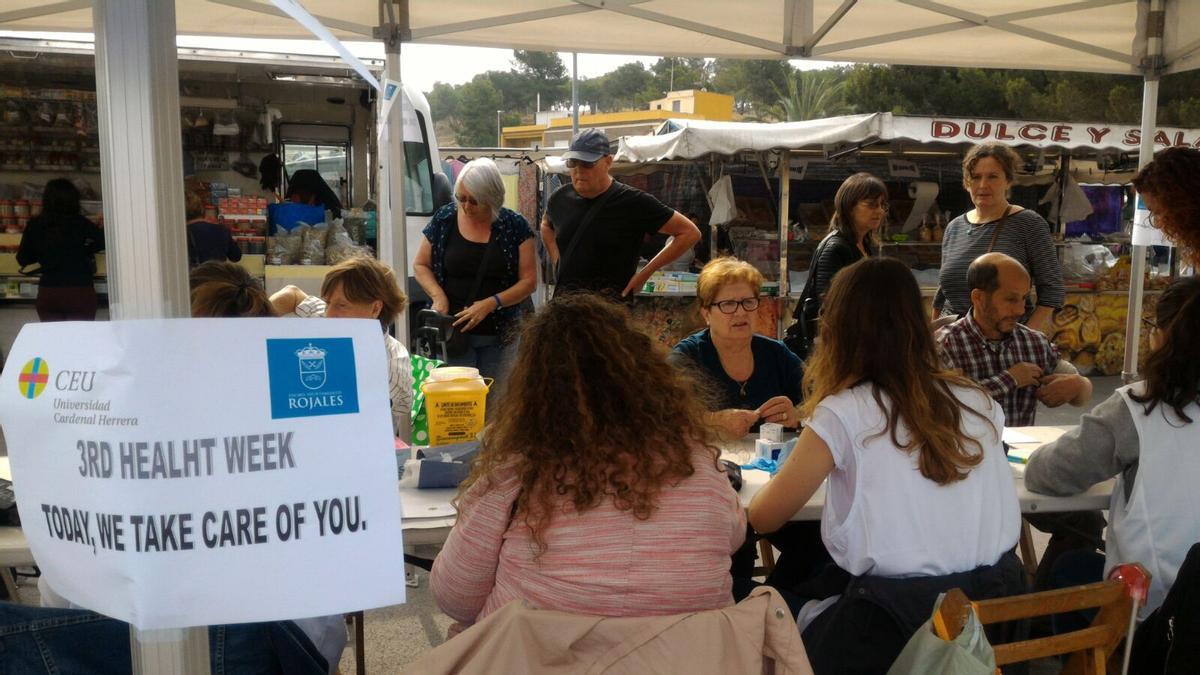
[1061,133]
[1027,132]
[978,130]
[1098,133]
[1002,132]
[1132,137]
[945,129]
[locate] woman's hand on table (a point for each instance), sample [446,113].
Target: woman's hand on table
[779,410]
[735,421]
[477,312]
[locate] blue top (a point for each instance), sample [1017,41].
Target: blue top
[777,370]
[512,230]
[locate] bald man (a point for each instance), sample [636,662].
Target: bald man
[1017,365]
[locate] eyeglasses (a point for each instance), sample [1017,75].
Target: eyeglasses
[1151,324]
[883,206]
[579,164]
[730,306]
[463,199]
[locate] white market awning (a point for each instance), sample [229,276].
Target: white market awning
[691,139]
[1085,35]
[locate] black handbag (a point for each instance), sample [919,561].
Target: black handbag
[799,336]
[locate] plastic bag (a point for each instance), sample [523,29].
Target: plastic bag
[339,245]
[285,248]
[312,247]
[1084,262]
[927,654]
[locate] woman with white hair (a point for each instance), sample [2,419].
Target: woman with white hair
[477,263]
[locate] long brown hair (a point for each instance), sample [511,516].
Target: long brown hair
[591,411]
[1174,180]
[1173,370]
[860,187]
[875,331]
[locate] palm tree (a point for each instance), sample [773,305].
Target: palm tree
[811,94]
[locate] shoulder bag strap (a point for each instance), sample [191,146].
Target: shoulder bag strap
[996,232]
[587,220]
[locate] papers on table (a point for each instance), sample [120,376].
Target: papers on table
[1015,437]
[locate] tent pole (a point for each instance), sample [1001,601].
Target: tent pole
[137,96]
[785,191]
[574,93]
[393,231]
[1137,268]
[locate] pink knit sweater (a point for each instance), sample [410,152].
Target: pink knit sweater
[603,562]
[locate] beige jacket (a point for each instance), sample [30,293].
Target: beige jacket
[758,635]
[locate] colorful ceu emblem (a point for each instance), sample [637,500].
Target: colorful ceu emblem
[34,377]
[312,367]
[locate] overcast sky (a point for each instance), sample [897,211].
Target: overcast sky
[422,65]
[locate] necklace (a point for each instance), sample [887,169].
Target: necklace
[742,386]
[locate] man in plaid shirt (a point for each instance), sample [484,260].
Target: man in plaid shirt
[1017,365]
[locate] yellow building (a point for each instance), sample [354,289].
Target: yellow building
[704,104]
[688,104]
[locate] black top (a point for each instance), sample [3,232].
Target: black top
[836,252]
[462,262]
[777,371]
[66,248]
[607,256]
[210,241]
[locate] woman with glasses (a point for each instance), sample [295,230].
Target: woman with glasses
[994,225]
[1146,435]
[859,210]
[476,262]
[757,379]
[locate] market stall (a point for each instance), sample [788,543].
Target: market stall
[248,123]
[1082,167]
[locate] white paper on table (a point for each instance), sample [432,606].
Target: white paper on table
[1014,437]
[75,396]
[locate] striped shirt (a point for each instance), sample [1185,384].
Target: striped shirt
[602,562]
[1025,236]
[964,347]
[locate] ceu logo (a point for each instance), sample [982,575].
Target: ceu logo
[34,377]
[312,366]
[312,377]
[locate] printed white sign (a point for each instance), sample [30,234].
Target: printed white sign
[191,472]
[1145,232]
[902,168]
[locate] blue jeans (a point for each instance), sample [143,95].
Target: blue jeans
[47,640]
[485,352]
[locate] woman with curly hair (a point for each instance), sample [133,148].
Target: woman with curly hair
[1170,185]
[594,493]
[920,497]
[1146,434]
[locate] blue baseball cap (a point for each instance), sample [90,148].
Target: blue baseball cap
[588,145]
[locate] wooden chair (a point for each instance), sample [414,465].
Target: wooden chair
[768,558]
[1090,648]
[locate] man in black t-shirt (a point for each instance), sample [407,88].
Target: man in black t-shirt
[605,259]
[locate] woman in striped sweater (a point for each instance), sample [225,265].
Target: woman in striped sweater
[597,490]
[995,225]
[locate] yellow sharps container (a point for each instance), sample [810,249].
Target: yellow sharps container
[455,399]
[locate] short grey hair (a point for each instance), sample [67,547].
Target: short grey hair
[481,177]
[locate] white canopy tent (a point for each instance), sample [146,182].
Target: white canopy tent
[138,97]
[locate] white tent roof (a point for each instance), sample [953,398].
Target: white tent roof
[1085,35]
[691,139]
